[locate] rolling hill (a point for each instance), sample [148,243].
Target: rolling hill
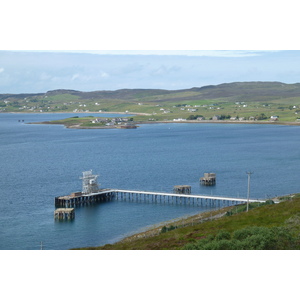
[270,98]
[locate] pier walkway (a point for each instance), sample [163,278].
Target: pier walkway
[78,199]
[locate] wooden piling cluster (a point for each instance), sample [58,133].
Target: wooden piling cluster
[182,189]
[79,199]
[208,179]
[64,214]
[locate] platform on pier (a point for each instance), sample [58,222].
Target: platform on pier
[79,198]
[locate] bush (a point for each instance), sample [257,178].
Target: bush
[223,235]
[166,229]
[268,202]
[249,238]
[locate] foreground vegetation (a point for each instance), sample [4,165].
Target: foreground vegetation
[263,227]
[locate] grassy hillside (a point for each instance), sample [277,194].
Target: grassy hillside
[239,99]
[278,222]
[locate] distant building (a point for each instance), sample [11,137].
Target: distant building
[274,118]
[179,120]
[216,118]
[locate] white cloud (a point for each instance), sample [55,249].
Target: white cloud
[74,76]
[1,70]
[104,75]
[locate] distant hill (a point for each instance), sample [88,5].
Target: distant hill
[242,100]
[246,91]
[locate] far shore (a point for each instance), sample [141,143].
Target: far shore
[175,122]
[78,112]
[289,123]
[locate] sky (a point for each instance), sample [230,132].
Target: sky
[133,44]
[91,70]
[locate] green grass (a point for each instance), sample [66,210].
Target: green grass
[269,216]
[85,121]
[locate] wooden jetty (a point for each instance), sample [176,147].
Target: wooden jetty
[148,197]
[208,179]
[183,199]
[91,194]
[64,214]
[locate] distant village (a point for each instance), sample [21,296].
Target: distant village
[223,117]
[126,123]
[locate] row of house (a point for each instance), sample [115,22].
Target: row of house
[216,118]
[111,122]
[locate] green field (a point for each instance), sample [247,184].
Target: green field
[241,99]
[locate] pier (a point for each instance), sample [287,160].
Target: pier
[172,198]
[147,197]
[92,194]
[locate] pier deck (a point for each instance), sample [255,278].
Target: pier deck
[78,199]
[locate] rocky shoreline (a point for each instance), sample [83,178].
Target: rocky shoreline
[156,229]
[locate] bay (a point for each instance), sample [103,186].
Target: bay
[39,162]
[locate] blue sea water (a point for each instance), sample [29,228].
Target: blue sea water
[39,162]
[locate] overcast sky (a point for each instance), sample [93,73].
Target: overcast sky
[41,71]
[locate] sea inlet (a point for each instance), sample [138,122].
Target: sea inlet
[40,162]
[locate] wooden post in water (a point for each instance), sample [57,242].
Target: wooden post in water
[208,179]
[182,189]
[64,214]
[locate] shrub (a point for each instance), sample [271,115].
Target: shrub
[166,229]
[249,238]
[223,235]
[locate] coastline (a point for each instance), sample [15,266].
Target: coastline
[287,123]
[226,122]
[155,229]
